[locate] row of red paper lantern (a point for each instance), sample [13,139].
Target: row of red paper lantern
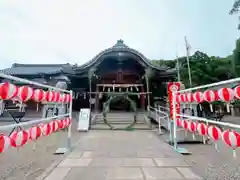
[230,137]
[223,94]
[20,138]
[9,91]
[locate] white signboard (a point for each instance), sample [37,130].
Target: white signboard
[83,120]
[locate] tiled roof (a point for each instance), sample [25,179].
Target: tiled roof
[34,69]
[121,47]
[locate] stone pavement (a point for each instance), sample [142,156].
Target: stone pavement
[122,155]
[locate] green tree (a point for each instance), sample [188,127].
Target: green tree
[204,69]
[235,9]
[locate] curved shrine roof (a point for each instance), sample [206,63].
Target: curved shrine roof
[121,47]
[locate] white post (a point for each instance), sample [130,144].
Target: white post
[70,125]
[159,121]
[174,120]
[189,70]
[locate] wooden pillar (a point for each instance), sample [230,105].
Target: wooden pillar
[142,99]
[97,98]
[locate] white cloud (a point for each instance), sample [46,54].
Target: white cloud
[74,31]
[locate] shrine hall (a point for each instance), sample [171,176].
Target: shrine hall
[115,71]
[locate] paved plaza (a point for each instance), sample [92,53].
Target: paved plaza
[122,155]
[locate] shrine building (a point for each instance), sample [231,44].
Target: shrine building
[118,70]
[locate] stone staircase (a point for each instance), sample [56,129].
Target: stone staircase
[120,120]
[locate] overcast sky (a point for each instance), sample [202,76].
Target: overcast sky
[74,31]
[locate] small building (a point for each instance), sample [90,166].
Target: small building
[114,71]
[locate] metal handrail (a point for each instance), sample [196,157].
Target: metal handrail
[159,118]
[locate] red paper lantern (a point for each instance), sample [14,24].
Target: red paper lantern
[50,96]
[54,126]
[189,97]
[198,97]
[25,93]
[231,138]
[35,133]
[60,124]
[214,133]
[237,92]
[192,126]
[4,143]
[183,98]
[209,96]
[46,129]
[39,95]
[177,97]
[57,97]
[179,122]
[8,91]
[18,139]
[202,129]
[185,124]
[226,94]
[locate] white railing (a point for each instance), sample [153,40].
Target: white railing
[222,134]
[161,117]
[43,120]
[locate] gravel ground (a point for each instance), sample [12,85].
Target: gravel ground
[26,164]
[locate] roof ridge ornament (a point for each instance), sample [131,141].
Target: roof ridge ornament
[120,44]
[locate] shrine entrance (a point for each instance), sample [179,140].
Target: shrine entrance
[133,91]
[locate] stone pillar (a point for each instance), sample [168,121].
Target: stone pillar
[142,99]
[97,98]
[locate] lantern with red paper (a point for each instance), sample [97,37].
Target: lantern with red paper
[46,129]
[190,97]
[192,127]
[232,139]
[57,97]
[199,98]
[202,130]
[35,133]
[183,98]
[8,91]
[50,96]
[19,138]
[39,95]
[237,92]
[215,133]
[226,94]
[25,93]
[4,143]
[210,96]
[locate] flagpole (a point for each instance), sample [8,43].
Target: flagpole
[189,70]
[178,68]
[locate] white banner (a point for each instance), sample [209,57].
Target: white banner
[84,119]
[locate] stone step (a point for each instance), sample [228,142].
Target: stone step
[119,126]
[119,122]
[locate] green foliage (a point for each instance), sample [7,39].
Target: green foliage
[204,69]
[235,9]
